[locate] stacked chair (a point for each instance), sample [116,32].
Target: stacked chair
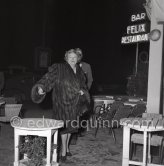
[9,112]
[155,140]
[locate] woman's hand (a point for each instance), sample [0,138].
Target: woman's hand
[81,92]
[40,91]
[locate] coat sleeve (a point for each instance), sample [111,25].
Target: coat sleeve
[89,77]
[84,87]
[46,83]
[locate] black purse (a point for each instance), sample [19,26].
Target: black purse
[83,105]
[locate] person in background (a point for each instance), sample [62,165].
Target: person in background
[67,81]
[89,80]
[86,69]
[2,82]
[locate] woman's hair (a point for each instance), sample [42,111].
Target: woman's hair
[76,51]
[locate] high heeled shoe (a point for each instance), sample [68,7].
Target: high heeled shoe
[63,158]
[68,154]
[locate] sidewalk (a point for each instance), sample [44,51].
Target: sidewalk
[89,151]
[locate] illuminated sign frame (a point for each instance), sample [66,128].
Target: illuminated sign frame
[136,32]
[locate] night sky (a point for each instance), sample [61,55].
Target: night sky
[94,26]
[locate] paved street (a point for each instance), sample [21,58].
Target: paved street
[88,151]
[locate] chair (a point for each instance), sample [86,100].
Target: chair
[155,140]
[112,108]
[138,110]
[101,106]
[122,112]
[11,110]
[115,105]
[96,110]
[10,100]
[111,118]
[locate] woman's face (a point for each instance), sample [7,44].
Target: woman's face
[72,59]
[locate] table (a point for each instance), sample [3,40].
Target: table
[127,100]
[132,103]
[39,127]
[104,99]
[147,126]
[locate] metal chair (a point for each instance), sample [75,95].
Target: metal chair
[122,112]
[112,108]
[111,118]
[96,109]
[138,110]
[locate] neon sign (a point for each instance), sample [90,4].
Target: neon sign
[138,17]
[136,33]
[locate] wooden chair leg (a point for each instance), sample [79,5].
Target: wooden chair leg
[134,149]
[131,150]
[162,152]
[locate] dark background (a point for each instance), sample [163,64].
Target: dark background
[94,26]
